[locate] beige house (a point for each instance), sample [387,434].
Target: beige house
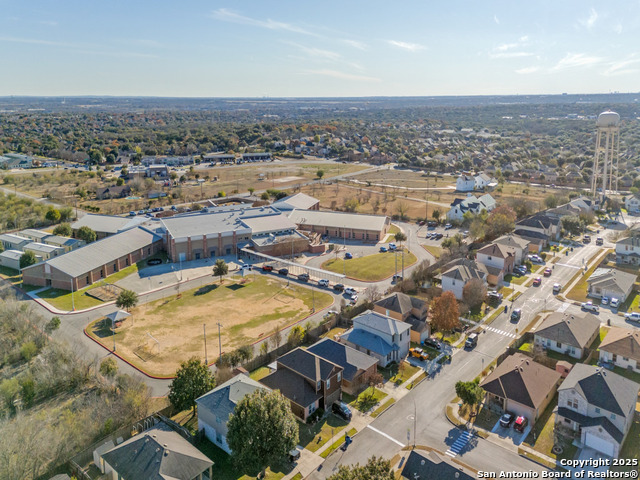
[612,283]
[405,308]
[621,347]
[567,333]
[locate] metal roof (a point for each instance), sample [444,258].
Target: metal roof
[223,399]
[12,254]
[300,200]
[108,223]
[339,220]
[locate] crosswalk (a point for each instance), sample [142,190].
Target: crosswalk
[501,332]
[459,444]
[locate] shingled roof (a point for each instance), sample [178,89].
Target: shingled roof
[569,329]
[623,342]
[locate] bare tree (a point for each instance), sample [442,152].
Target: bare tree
[372,294]
[474,292]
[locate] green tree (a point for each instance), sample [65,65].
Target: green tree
[109,367]
[64,230]
[127,299]
[28,350]
[66,214]
[374,469]
[470,393]
[53,324]
[296,336]
[220,269]
[436,214]
[120,182]
[27,259]
[320,174]
[572,225]
[551,201]
[264,196]
[86,234]
[193,379]
[53,215]
[262,430]
[251,190]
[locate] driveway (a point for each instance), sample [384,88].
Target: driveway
[590,457]
[511,433]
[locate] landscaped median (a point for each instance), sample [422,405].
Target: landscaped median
[370,268]
[382,408]
[579,291]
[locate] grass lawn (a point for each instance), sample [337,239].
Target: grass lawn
[334,331]
[398,373]
[526,347]
[631,304]
[366,400]
[516,280]
[371,267]
[543,434]
[596,343]
[259,373]
[561,357]
[579,292]
[312,437]
[505,291]
[515,296]
[631,446]
[393,229]
[416,381]
[337,443]
[224,469]
[451,337]
[494,315]
[11,275]
[485,418]
[627,374]
[383,407]
[433,250]
[61,299]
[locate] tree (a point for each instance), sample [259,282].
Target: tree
[66,214]
[109,367]
[120,182]
[296,336]
[220,269]
[501,220]
[400,237]
[251,190]
[64,230]
[53,324]
[53,215]
[551,201]
[27,259]
[320,174]
[86,234]
[375,469]
[193,379]
[444,312]
[572,225]
[470,393]
[474,292]
[127,299]
[401,208]
[261,430]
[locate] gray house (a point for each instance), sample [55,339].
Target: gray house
[567,333]
[214,407]
[612,283]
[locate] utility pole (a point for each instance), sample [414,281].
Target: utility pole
[219,339]
[113,327]
[73,305]
[204,328]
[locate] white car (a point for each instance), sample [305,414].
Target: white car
[536,258]
[590,307]
[323,282]
[350,291]
[557,287]
[354,299]
[634,317]
[614,302]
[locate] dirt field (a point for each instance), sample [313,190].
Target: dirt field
[246,311]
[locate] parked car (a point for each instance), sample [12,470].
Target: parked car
[604,301]
[433,343]
[338,287]
[537,281]
[465,233]
[536,259]
[303,277]
[520,424]
[383,250]
[246,266]
[471,341]
[557,287]
[396,278]
[392,246]
[421,223]
[323,282]
[439,236]
[448,226]
[614,303]
[516,315]
[516,273]
[350,291]
[418,353]
[267,268]
[348,256]
[634,316]
[589,306]
[547,272]
[353,299]
[283,271]
[132,213]
[432,224]
[599,241]
[494,297]
[506,420]
[341,409]
[586,239]
[522,269]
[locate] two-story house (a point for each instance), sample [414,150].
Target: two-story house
[483,181]
[567,333]
[621,347]
[632,203]
[405,308]
[471,204]
[380,336]
[307,380]
[457,274]
[599,405]
[516,245]
[465,183]
[498,259]
[215,407]
[539,226]
[628,251]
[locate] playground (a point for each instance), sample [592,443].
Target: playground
[159,335]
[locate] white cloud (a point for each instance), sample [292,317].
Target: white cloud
[412,47]
[510,54]
[342,75]
[355,44]
[527,70]
[506,50]
[618,28]
[316,52]
[496,19]
[591,20]
[622,67]
[573,60]
[226,15]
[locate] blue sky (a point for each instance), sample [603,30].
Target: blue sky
[292,48]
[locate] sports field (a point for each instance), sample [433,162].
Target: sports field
[371,267]
[161,334]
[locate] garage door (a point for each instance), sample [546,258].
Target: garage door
[599,444]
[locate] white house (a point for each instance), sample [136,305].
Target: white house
[470,204]
[628,250]
[465,183]
[612,283]
[567,334]
[455,278]
[483,181]
[516,245]
[621,347]
[497,256]
[599,404]
[632,203]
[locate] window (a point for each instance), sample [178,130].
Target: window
[126,261]
[488,258]
[613,416]
[339,376]
[319,385]
[558,344]
[328,383]
[597,410]
[115,266]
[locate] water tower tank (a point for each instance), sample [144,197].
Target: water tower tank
[608,119]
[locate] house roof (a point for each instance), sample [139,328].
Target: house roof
[339,220]
[531,235]
[633,241]
[623,342]
[108,223]
[512,241]
[292,386]
[10,237]
[495,250]
[522,380]
[465,270]
[585,421]
[12,254]
[96,254]
[223,399]
[380,323]
[350,359]
[300,201]
[268,223]
[602,388]
[431,466]
[538,220]
[61,241]
[369,341]
[401,303]
[33,233]
[612,279]
[40,247]
[157,454]
[308,364]
[570,329]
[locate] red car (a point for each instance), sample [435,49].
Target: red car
[520,424]
[547,272]
[537,282]
[267,268]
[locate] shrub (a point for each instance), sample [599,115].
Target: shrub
[28,350]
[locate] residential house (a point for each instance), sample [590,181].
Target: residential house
[599,405]
[518,246]
[521,386]
[496,256]
[465,183]
[215,407]
[66,243]
[307,380]
[628,251]
[537,241]
[621,347]
[34,235]
[405,308]
[566,333]
[632,203]
[483,181]
[358,366]
[470,204]
[457,274]
[157,453]
[609,282]
[380,336]
[547,226]
[433,466]
[157,171]
[113,191]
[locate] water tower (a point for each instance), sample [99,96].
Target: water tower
[607,146]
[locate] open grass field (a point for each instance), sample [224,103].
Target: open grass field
[247,311]
[580,289]
[371,267]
